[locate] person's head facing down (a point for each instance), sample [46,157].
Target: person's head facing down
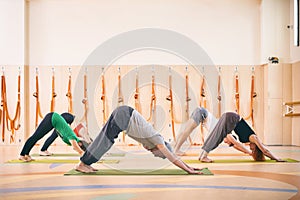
[83,144]
[68,117]
[257,154]
[157,153]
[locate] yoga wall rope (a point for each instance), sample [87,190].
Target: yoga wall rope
[252,96]
[12,124]
[203,102]
[103,98]
[52,106]
[36,94]
[137,103]
[219,97]
[171,110]
[153,100]
[69,93]
[237,93]
[85,99]
[187,100]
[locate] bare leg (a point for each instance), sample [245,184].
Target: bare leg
[189,127]
[203,157]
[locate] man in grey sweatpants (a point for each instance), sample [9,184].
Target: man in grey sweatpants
[125,118]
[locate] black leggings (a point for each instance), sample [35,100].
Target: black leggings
[44,127]
[49,141]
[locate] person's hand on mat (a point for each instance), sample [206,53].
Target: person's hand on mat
[280,160]
[192,171]
[199,169]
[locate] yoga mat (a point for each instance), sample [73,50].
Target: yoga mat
[242,161]
[215,154]
[103,172]
[37,161]
[77,155]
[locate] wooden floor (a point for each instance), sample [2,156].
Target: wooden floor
[230,180]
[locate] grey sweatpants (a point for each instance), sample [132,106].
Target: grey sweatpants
[225,125]
[117,122]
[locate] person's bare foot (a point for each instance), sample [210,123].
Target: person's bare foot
[81,167]
[206,160]
[92,168]
[26,158]
[29,158]
[23,158]
[179,153]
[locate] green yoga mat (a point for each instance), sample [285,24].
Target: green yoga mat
[50,161]
[77,155]
[242,161]
[103,172]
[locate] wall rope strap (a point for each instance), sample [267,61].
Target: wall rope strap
[36,94]
[3,99]
[12,124]
[203,103]
[52,106]
[120,98]
[187,100]
[103,98]
[69,93]
[1,110]
[219,97]
[137,103]
[253,94]
[153,100]
[171,111]
[85,100]
[120,95]
[237,94]
[290,109]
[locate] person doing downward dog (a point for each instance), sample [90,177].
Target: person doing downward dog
[69,118]
[125,118]
[80,130]
[60,123]
[199,116]
[222,131]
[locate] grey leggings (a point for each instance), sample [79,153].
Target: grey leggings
[117,122]
[225,125]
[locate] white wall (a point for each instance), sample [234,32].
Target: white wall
[12,58]
[64,32]
[11,32]
[275,35]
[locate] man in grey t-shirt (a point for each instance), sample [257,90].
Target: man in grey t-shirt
[125,118]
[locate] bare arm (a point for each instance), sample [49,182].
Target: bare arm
[76,147]
[238,145]
[254,139]
[176,161]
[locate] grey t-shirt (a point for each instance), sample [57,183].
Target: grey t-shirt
[143,132]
